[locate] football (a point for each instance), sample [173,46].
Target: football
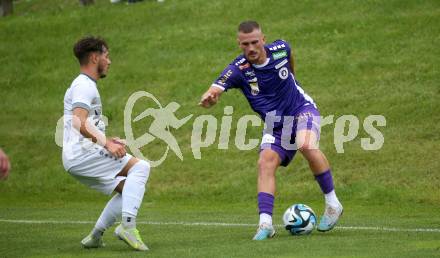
[299,219]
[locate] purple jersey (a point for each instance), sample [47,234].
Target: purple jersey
[268,87]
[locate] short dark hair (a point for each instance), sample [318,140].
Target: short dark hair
[248,26]
[87,45]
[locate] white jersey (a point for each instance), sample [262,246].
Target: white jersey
[83,92]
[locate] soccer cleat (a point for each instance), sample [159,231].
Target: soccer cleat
[131,237]
[92,242]
[330,217]
[264,231]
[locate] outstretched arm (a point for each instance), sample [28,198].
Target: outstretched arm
[210,97]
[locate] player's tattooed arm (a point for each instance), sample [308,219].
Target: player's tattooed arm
[81,123]
[291,62]
[210,97]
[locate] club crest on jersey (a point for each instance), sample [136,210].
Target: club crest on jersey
[254,86]
[283,73]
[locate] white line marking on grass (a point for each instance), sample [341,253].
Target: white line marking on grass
[22,221]
[217,224]
[391,229]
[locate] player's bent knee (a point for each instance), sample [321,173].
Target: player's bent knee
[306,140]
[145,166]
[141,170]
[267,161]
[306,146]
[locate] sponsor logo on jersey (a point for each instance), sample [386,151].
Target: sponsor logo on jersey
[249,73]
[254,89]
[253,83]
[279,54]
[224,78]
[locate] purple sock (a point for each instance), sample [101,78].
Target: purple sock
[265,203]
[325,181]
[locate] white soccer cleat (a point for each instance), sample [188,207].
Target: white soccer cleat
[92,242]
[264,231]
[330,217]
[131,237]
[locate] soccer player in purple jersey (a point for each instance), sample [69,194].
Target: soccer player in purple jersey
[265,75]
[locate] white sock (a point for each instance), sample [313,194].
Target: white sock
[129,221]
[265,218]
[331,199]
[133,192]
[109,215]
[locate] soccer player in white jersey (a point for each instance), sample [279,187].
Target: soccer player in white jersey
[265,75]
[93,158]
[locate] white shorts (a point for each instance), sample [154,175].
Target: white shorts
[99,170]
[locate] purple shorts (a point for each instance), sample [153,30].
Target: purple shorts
[281,139]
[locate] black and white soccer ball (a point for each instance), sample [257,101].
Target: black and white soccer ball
[299,219]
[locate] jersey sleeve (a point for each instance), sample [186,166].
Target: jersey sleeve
[83,95]
[228,79]
[282,45]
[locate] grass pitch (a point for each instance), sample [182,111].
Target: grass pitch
[223,230]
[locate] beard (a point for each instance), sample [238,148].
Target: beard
[254,58]
[101,72]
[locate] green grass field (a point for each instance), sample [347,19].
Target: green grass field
[352,57]
[167,238]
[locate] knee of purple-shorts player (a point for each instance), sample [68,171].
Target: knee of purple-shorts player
[307,140]
[268,162]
